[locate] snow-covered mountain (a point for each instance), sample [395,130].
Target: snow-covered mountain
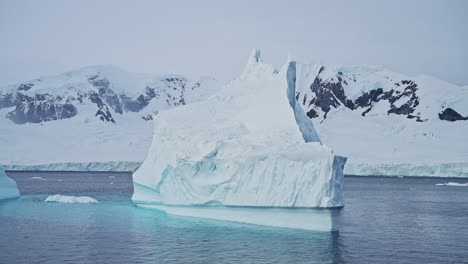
[387,123]
[384,122]
[377,91]
[98,113]
[106,90]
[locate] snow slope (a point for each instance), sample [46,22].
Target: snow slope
[385,122]
[103,91]
[108,124]
[230,150]
[8,187]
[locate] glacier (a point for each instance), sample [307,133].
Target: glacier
[8,188]
[250,145]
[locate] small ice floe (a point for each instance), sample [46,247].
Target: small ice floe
[70,199]
[453,184]
[112,183]
[111,177]
[38,178]
[59,180]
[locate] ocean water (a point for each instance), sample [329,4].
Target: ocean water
[385,220]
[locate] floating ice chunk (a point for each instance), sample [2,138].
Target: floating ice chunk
[70,199]
[8,188]
[453,184]
[38,178]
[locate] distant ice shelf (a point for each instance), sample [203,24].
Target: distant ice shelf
[355,168]
[115,166]
[434,169]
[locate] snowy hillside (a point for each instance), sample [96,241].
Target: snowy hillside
[95,114]
[372,91]
[388,123]
[104,90]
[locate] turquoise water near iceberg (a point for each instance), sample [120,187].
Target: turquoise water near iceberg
[385,220]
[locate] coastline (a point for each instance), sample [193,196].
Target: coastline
[364,169]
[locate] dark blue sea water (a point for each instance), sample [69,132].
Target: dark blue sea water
[385,220]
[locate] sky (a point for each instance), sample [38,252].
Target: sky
[214,38]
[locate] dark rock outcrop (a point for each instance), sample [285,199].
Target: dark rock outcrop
[329,93]
[451,115]
[39,107]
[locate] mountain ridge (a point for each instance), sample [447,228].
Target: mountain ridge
[111,89]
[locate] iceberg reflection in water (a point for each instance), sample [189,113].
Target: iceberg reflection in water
[317,219]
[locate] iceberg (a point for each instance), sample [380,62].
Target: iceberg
[8,188]
[70,199]
[246,154]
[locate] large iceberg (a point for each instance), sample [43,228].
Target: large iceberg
[8,188]
[248,146]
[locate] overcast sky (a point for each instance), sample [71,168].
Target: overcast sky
[214,37]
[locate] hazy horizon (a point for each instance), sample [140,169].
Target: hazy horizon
[213,38]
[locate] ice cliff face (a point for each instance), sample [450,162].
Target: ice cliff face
[8,187]
[232,150]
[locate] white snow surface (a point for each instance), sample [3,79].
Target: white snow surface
[70,199]
[232,150]
[122,82]
[8,188]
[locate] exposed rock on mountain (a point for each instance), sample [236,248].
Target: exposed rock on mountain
[109,90]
